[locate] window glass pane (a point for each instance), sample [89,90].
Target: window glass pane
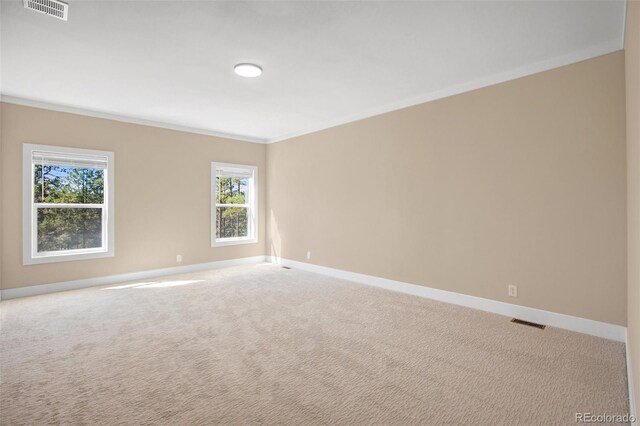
[230,190]
[61,184]
[231,222]
[69,229]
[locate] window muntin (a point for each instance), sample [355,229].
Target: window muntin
[68,204]
[234,212]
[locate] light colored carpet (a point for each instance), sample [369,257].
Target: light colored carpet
[265,345]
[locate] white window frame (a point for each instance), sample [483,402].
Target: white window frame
[251,206]
[29,209]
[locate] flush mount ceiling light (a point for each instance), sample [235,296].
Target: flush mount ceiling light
[248,70]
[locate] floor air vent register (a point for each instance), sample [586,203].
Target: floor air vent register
[527,323]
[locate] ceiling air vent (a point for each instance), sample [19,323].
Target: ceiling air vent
[55,8]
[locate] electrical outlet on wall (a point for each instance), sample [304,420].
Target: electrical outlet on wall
[308,255]
[179,258]
[513,290]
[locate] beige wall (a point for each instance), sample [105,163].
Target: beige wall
[1,174]
[1,198]
[162,185]
[632,61]
[519,183]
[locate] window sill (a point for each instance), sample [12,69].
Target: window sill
[233,242]
[67,257]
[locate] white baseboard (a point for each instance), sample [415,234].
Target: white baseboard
[553,319]
[567,322]
[581,325]
[632,399]
[35,290]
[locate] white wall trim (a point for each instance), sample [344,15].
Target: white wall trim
[12,293]
[553,319]
[632,399]
[125,119]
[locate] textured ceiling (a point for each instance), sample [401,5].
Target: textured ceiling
[325,63]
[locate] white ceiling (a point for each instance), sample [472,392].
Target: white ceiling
[325,63]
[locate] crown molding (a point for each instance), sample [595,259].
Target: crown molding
[125,119]
[493,79]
